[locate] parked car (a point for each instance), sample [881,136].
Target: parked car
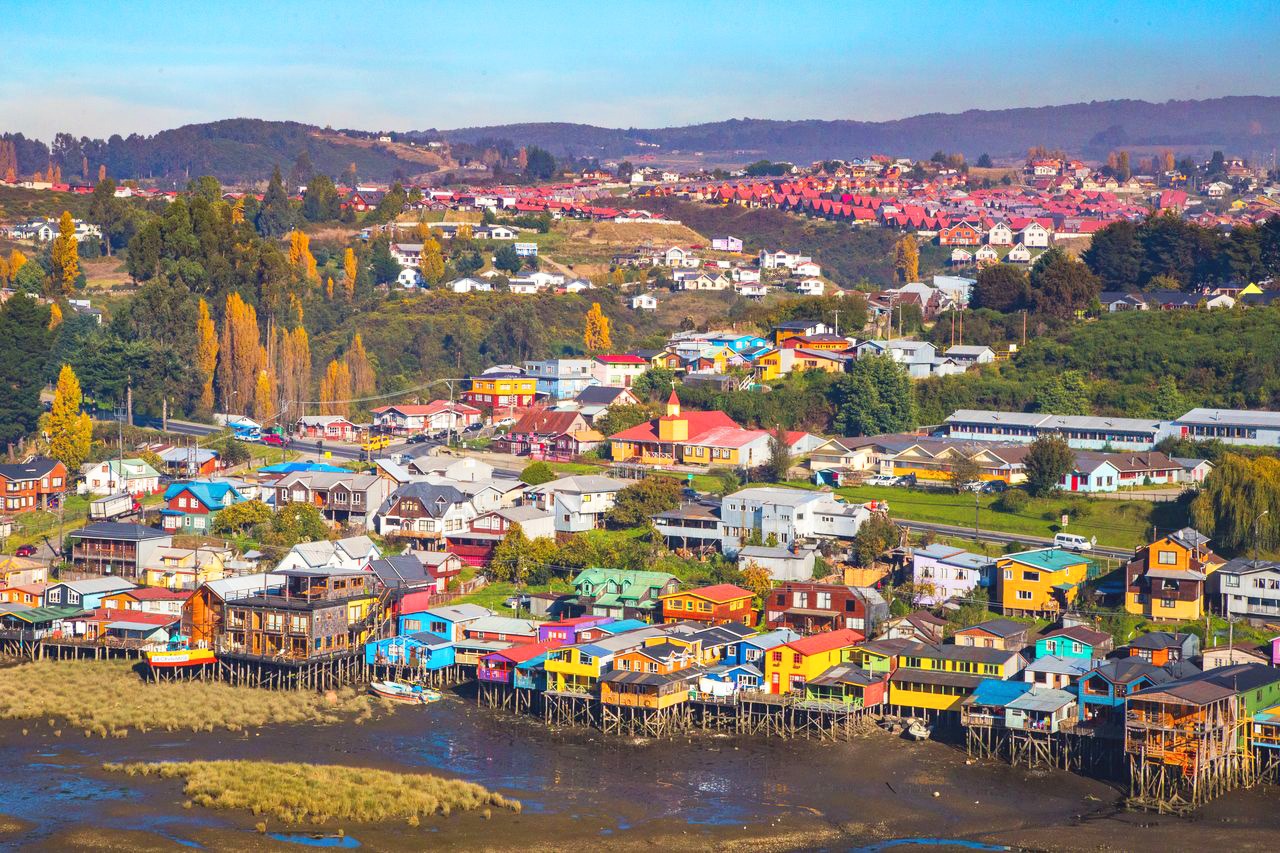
[995,486]
[26,551]
[1073,542]
[518,601]
[972,486]
[882,480]
[273,439]
[417,438]
[904,480]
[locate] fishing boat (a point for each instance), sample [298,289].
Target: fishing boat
[178,653]
[414,694]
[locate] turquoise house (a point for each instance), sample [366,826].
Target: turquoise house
[1075,642]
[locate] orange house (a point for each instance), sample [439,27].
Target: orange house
[715,605]
[656,675]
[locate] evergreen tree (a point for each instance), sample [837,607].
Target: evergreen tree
[24,351]
[275,217]
[320,203]
[875,396]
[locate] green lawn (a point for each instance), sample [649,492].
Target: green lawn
[1118,524]
[576,468]
[492,595]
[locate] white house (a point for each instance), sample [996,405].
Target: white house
[354,553]
[783,564]
[1035,236]
[410,278]
[811,287]
[644,302]
[786,516]
[134,476]
[407,254]
[1000,234]
[727,244]
[806,268]
[985,255]
[678,257]
[470,285]
[1019,254]
[578,503]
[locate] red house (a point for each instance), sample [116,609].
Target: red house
[809,608]
[329,427]
[960,234]
[32,484]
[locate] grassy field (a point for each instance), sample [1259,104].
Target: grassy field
[315,793]
[493,595]
[108,698]
[1118,524]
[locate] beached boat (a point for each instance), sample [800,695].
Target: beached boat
[180,657]
[398,692]
[918,730]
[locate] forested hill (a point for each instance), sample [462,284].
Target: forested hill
[1239,124]
[234,151]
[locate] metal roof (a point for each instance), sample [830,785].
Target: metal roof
[1042,699]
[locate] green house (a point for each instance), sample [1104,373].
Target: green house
[622,593]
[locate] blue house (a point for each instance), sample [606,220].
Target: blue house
[446,622]
[735,341]
[986,705]
[1074,642]
[86,594]
[622,626]
[1104,690]
[751,650]
[423,650]
[190,507]
[727,679]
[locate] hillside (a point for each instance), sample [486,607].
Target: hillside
[1241,124]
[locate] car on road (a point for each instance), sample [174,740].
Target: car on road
[995,486]
[273,439]
[417,438]
[1073,542]
[26,551]
[882,480]
[972,486]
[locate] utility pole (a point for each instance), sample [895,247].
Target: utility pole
[164,414]
[977,532]
[837,313]
[128,401]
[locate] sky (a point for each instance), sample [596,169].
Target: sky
[101,67]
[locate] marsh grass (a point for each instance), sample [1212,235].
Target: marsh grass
[315,793]
[108,699]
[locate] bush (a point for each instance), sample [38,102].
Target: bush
[537,473]
[1012,500]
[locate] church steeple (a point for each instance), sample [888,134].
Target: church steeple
[673,405]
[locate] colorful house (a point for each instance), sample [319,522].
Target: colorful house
[190,507]
[449,621]
[501,390]
[500,667]
[790,666]
[847,685]
[421,651]
[1166,579]
[1104,690]
[1161,647]
[1076,641]
[716,605]
[573,630]
[622,593]
[939,677]
[656,675]
[577,669]
[994,634]
[1044,581]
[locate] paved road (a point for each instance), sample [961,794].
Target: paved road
[997,536]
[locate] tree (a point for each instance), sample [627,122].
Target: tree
[300,257]
[431,263]
[55,316]
[1232,501]
[320,203]
[293,367]
[595,333]
[264,398]
[29,278]
[507,562]
[540,164]
[507,260]
[240,355]
[984,161]
[638,502]
[1061,286]
[876,396]
[906,258]
[275,216]
[655,383]
[295,523]
[1001,287]
[1064,393]
[335,389]
[240,517]
[363,376]
[65,257]
[109,214]
[206,355]
[349,272]
[24,352]
[775,470]
[1048,460]
[382,264]
[537,473]
[615,419]
[1116,256]
[876,535]
[756,578]
[70,430]
[964,470]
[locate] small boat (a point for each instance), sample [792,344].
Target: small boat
[414,694]
[918,730]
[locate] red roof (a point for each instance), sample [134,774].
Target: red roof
[523,652]
[105,614]
[621,359]
[544,422]
[700,424]
[157,593]
[435,407]
[719,593]
[826,641]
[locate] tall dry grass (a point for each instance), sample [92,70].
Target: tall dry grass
[108,698]
[315,793]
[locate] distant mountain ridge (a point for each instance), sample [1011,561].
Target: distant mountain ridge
[1241,124]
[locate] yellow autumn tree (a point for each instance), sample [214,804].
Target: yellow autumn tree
[240,355]
[906,258]
[595,333]
[237,211]
[70,430]
[64,255]
[335,389]
[300,257]
[464,233]
[264,402]
[363,376]
[206,354]
[349,272]
[328,289]
[293,368]
[55,316]
[16,262]
[431,264]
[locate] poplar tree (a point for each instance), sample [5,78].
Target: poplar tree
[206,358]
[595,333]
[907,258]
[335,389]
[240,355]
[293,368]
[64,256]
[431,263]
[70,430]
[55,316]
[363,376]
[264,404]
[349,272]
[300,257]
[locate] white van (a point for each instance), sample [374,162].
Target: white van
[1072,542]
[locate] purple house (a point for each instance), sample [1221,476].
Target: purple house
[949,572]
[577,629]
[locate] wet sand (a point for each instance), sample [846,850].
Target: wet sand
[581,790]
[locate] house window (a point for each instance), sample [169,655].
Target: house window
[676,604]
[1076,647]
[1168,602]
[1167,558]
[1233,580]
[1008,574]
[1031,576]
[1024,595]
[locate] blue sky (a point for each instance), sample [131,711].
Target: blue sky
[96,68]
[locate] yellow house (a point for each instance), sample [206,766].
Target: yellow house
[768,365]
[1166,579]
[935,459]
[940,677]
[789,666]
[185,568]
[1043,581]
[783,360]
[691,438]
[577,669]
[655,675]
[501,389]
